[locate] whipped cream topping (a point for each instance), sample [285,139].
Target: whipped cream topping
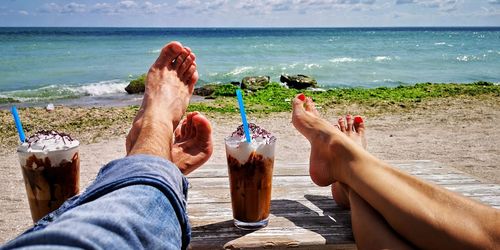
[46,141]
[262,143]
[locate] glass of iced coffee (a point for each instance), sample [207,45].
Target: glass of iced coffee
[51,170]
[250,167]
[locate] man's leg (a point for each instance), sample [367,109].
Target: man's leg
[424,214]
[139,201]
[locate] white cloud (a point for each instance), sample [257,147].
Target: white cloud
[74,8]
[128,4]
[102,8]
[443,5]
[51,8]
[494,1]
[23,12]
[69,8]
[188,4]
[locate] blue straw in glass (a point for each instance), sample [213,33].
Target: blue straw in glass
[243,115]
[19,126]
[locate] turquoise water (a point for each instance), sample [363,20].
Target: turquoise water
[38,64]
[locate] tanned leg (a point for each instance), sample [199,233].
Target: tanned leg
[426,215]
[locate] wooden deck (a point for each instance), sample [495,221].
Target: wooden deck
[302,214]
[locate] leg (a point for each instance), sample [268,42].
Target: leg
[354,129]
[424,214]
[169,86]
[370,228]
[122,207]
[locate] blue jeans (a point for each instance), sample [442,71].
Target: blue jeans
[138,202]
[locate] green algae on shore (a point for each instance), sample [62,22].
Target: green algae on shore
[275,98]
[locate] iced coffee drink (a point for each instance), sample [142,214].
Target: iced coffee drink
[250,168]
[51,170]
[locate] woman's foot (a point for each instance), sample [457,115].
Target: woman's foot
[331,150]
[354,128]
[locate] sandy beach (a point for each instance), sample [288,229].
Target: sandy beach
[458,132]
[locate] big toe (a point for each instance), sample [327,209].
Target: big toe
[169,53]
[203,128]
[359,125]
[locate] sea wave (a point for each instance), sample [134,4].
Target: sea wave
[470,58]
[382,58]
[55,92]
[239,71]
[344,60]
[440,43]
[102,88]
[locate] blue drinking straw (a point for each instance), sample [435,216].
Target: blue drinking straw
[243,115]
[19,126]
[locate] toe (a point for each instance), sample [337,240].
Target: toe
[298,103]
[349,122]
[359,124]
[179,60]
[168,54]
[342,124]
[178,133]
[188,74]
[192,81]
[183,131]
[203,128]
[190,129]
[311,107]
[186,64]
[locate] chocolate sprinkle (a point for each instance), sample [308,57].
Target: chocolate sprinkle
[255,132]
[51,134]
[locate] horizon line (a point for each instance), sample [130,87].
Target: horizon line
[260,27]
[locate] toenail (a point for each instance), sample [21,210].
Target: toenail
[358,119]
[302,97]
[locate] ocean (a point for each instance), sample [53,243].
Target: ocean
[93,65]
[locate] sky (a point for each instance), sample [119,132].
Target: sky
[249,13]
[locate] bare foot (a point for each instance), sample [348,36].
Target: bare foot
[193,143]
[354,129]
[331,150]
[169,86]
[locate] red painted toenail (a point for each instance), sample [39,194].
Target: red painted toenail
[358,119]
[302,97]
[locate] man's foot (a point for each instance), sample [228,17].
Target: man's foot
[193,143]
[354,129]
[169,86]
[331,150]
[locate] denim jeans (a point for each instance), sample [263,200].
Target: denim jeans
[138,202]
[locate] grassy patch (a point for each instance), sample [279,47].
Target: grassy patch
[275,98]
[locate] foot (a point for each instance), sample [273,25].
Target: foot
[193,143]
[331,150]
[354,128]
[169,86]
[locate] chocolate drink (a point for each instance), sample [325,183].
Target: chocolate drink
[50,165]
[251,185]
[250,168]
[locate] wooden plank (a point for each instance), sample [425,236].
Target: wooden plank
[302,169]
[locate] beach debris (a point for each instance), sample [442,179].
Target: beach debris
[50,107]
[255,83]
[298,81]
[137,86]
